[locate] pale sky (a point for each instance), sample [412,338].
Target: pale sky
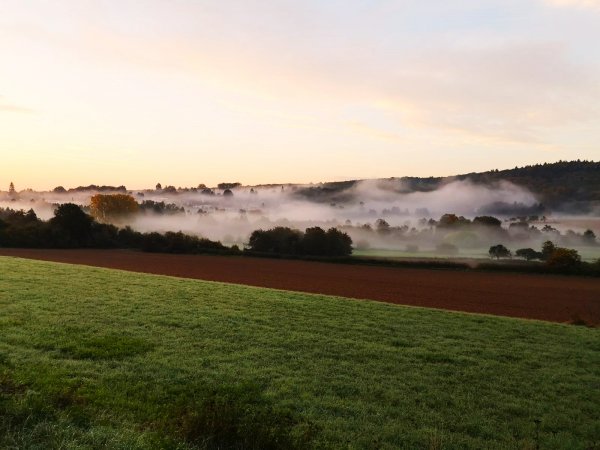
[184,92]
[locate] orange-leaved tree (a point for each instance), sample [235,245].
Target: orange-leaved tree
[107,207]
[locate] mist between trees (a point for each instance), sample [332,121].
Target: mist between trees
[459,218]
[71,227]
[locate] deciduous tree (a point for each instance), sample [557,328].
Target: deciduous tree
[112,207]
[589,237]
[548,248]
[499,251]
[565,258]
[528,254]
[488,221]
[70,219]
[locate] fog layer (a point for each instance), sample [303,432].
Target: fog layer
[377,214]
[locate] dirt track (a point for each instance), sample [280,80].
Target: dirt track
[552,298]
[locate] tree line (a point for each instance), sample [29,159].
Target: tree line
[563,185]
[313,242]
[558,258]
[71,227]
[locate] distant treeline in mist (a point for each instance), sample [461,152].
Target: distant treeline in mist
[569,186]
[452,232]
[71,227]
[91,187]
[562,186]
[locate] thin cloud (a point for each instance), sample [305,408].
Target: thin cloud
[313,77]
[514,92]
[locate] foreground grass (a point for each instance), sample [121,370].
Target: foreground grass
[96,358]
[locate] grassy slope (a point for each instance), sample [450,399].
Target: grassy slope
[94,357]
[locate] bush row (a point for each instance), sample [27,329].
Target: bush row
[72,228]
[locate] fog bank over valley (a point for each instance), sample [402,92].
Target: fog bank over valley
[452,218]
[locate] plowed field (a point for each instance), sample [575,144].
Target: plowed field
[544,297]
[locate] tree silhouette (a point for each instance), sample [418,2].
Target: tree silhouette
[589,236]
[499,251]
[528,254]
[70,219]
[548,248]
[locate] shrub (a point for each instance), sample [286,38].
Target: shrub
[564,258]
[179,242]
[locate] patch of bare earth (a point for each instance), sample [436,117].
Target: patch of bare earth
[545,297]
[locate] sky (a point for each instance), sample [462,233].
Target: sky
[184,92]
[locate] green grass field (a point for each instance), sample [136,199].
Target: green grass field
[588,254]
[96,358]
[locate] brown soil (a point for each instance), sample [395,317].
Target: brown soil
[545,297]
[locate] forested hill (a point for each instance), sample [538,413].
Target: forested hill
[555,184]
[566,185]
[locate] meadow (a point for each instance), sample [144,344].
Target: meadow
[99,358]
[588,254]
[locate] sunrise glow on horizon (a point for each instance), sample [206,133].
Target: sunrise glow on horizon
[188,92]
